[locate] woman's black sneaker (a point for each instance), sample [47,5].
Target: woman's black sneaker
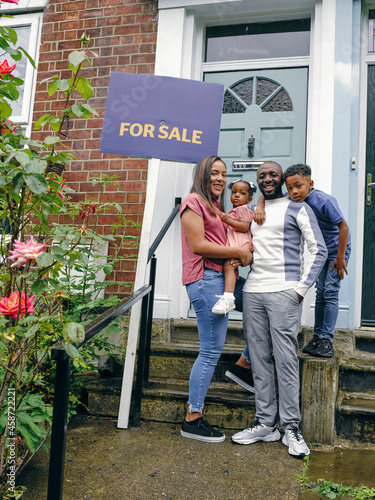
[202,431]
[312,345]
[241,376]
[324,349]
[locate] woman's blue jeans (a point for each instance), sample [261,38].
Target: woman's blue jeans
[327,298]
[212,329]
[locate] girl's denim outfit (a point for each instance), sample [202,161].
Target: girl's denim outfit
[212,329]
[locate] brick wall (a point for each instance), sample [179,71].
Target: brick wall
[123,35]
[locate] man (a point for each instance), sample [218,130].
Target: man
[279,279]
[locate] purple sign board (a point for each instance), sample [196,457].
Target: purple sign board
[161,117]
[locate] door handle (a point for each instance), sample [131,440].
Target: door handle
[369,187]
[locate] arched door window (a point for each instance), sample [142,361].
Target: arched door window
[268,94]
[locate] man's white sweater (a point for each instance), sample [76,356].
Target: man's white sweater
[280,262]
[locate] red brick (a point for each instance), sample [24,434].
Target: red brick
[91,13]
[80,5]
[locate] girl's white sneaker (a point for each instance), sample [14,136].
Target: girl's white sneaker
[223,305]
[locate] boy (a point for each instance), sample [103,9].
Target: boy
[336,235]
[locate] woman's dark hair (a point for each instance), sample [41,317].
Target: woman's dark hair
[202,182]
[299,168]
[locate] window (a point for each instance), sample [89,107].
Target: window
[371,31]
[258,40]
[263,92]
[28,29]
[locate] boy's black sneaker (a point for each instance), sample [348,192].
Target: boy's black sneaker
[241,376]
[324,349]
[202,431]
[312,345]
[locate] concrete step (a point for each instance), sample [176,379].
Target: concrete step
[227,405]
[355,417]
[357,375]
[185,330]
[175,360]
[365,342]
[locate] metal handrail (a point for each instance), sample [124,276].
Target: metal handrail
[164,229]
[63,365]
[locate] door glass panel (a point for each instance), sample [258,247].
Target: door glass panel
[258,40]
[264,89]
[280,102]
[231,105]
[245,90]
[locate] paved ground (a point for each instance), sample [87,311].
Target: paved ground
[155,462]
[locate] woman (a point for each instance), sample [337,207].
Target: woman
[203,251]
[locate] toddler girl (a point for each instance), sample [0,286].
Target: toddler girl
[238,235]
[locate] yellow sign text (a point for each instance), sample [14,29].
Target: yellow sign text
[163,132]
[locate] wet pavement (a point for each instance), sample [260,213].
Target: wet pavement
[153,461]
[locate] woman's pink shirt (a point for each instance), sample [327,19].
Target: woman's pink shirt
[214,231]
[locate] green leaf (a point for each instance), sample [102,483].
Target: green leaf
[5,109]
[39,286]
[108,269]
[62,84]
[77,110]
[31,331]
[90,109]
[84,87]
[30,440]
[12,35]
[45,260]
[49,79]
[71,350]
[42,121]
[52,88]
[55,123]
[34,400]
[36,183]
[32,62]
[10,93]
[73,332]
[18,180]
[22,157]
[51,140]
[77,57]
[36,167]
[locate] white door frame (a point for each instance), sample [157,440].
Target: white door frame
[179,53]
[366,60]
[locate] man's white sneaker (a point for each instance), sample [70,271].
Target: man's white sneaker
[295,442]
[223,305]
[257,432]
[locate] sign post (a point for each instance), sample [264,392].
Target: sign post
[160,118]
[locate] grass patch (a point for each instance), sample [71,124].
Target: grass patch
[329,489]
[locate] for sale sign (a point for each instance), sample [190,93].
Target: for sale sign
[161,117]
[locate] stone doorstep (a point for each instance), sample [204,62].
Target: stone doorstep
[360,403]
[166,400]
[355,417]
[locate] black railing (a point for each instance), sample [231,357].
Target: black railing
[63,368]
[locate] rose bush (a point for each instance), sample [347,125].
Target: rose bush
[48,267]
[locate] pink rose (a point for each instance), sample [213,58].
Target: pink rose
[9,306]
[26,252]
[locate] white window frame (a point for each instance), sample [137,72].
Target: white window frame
[34,21]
